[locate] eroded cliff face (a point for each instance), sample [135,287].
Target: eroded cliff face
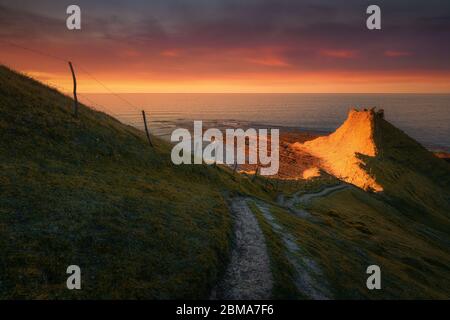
[342,152]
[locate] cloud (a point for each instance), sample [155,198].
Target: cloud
[130,53]
[270,62]
[208,39]
[171,53]
[339,53]
[396,54]
[18,24]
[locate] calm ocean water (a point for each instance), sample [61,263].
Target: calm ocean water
[424,117]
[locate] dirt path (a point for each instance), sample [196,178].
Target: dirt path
[307,197]
[304,199]
[248,275]
[309,279]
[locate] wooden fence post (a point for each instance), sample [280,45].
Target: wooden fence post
[146,128]
[74,91]
[256,173]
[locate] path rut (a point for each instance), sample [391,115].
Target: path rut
[248,275]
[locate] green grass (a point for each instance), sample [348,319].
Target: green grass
[353,229]
[90,191]
[414,180]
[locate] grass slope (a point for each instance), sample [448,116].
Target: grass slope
[91,192]
[352,229]
[414,180]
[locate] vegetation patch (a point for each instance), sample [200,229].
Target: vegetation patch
[90,191]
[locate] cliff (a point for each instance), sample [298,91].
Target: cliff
[341,151]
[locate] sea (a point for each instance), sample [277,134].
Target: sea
[425,117]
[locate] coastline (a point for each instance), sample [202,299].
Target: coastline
[293,163]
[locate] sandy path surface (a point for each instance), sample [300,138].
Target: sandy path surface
[248,275]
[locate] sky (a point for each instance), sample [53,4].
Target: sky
[232,45]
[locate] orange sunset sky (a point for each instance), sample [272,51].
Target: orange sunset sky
[231,46]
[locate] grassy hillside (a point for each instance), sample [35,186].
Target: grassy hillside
[372,154]
[405,228]
[414,180]
[352,229]
[415,264]
[91,192]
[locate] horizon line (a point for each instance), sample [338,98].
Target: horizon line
[359,93]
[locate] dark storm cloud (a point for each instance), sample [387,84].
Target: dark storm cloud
[306,34]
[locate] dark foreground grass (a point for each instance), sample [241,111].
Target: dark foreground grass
[91,192]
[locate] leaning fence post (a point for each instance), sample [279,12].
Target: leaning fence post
[256,173]
[146,129]
[74,91]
